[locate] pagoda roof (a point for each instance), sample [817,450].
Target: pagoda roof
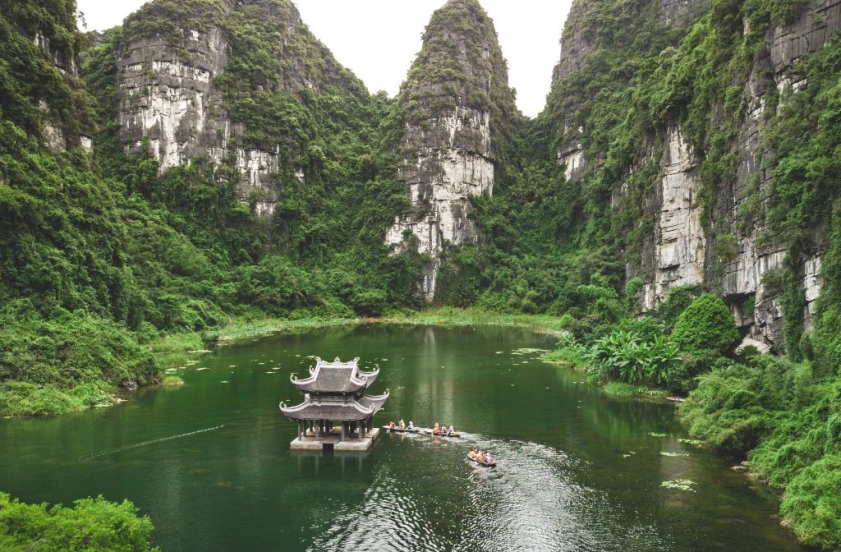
[319,408]
[336,377]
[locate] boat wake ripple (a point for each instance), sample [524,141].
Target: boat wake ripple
[531,501]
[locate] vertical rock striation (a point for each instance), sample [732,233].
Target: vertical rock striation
[453,110]
[172,92]
[731,248]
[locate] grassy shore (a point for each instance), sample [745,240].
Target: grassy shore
[176,350]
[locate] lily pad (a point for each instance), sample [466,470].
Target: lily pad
[679,484]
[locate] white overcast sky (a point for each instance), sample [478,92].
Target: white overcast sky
[379,39]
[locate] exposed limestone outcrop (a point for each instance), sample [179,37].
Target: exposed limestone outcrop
[679,12]
[742,281]
[579,39]
[450,105]
[54,136]
[679,240]
[169,96]
[741,260]
[817,23]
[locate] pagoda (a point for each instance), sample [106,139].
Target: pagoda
[335,392]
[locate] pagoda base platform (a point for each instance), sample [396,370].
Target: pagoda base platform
[333,440]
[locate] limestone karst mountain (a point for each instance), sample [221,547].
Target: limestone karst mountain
[455,113]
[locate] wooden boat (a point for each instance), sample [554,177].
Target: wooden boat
[429,431]
[491,464]
[398,430]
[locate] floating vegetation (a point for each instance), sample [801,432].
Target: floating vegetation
[696,442]
[172,381]
[500,352]
[276,368]
[272,373]
[229,485]
[674,454]
[191,362]
[224,381]
[679,484]
[652,434]
[200,352]
[202,368]
[528,351]
[232,365]
[626,456]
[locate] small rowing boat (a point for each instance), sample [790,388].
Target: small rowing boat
[398,430]
[429,431]
[491,464]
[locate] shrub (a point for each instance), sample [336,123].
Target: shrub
[676,302]
[92,524]
[706,329]
[813,502]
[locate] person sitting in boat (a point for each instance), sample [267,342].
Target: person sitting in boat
[472,454]
[436,430]
[451,431]
[479,456]
[411,425]
[402,425]
[391,425]
[488,459]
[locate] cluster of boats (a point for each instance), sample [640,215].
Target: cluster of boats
[475,455]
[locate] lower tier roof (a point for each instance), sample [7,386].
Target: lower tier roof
[342,411]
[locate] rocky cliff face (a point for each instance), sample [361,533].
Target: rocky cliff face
[732,251]
[454,101]
[740,214]
[41,89]
[169,92]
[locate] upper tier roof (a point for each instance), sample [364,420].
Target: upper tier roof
[336,377]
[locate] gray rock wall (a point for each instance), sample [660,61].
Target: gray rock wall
[741,208]
[167,96]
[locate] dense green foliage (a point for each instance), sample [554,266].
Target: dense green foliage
[706,326]
[787,422]
[91,525]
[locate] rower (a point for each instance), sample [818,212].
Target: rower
[402,425]
[451,431]
[411,425]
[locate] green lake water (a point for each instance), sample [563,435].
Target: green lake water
[578,471]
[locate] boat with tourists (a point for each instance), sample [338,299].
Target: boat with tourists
[442,431]
[481,459]
[398,429]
